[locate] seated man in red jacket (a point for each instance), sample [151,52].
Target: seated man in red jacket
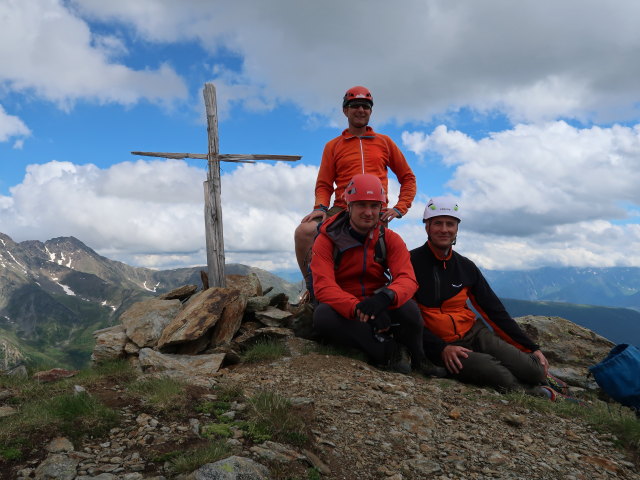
[358,305]
[505,358]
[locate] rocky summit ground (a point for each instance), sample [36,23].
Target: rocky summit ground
[361,423]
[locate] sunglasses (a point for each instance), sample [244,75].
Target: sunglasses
[355,106]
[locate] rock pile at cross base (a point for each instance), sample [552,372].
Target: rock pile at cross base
[365,423]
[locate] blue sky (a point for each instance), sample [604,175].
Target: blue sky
[528,111]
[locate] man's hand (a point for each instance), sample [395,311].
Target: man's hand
[451,356]
[381,323]
[389,215]
[543,361]
[315,214]
[372,306]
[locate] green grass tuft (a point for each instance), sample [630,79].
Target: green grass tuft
[217,430]
[271,415]
[313,474]
[193,459]
[162,394]
[264,351]
[72,415]
[10,453]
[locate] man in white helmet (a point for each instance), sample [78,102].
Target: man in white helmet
[505,358]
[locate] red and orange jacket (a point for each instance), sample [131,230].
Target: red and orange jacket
[445,285]
[358,274]
[373,153]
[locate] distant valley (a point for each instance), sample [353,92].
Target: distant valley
[620,325]
[605,300]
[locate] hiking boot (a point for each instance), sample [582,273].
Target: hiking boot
[548,392]
[543,391]
[399,360]
[557,384]
[429,369]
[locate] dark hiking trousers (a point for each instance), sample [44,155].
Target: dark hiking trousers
[496,363]
[353,333]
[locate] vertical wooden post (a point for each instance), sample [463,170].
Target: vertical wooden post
[212,187]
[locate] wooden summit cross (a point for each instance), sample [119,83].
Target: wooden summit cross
[212,205]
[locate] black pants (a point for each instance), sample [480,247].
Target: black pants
[353,333]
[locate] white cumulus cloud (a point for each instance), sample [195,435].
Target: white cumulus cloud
[45,48]
[536,177]
[150,213]
[530,60]
[12,126]
[542,194]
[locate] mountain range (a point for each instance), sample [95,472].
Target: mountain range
[610,287]
[54,295]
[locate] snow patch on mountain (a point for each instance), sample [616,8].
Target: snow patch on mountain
[144,285]
[67,290]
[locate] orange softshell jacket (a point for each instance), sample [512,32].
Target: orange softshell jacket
[373,153]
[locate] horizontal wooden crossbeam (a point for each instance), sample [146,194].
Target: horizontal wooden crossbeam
[232,157]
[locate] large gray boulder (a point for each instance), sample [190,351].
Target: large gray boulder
[10,356]
[110,343]
[145,321]
[187,365]
[232,468]
[248,285]
[202,312]
[58,466]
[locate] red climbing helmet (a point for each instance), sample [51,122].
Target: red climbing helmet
[365,186]
[357,93]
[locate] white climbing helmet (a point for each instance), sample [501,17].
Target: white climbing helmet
[439,206]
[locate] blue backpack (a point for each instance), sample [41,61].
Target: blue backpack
[619,375]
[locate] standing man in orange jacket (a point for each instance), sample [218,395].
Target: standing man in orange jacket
[354,256]
[357,150]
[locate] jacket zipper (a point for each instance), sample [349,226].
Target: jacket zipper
[361,153]
[364,265]
[437,289]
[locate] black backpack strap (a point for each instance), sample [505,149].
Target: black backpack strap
[380,251]
[379,254]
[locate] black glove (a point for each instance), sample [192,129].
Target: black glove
[372,306]
[382,321]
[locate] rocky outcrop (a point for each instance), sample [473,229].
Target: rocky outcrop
[570,348]
[11,359]
[191,334]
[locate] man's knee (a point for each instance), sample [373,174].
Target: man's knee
[326,320]
[485,370]
[408,315]
[532,372]
[305,232]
